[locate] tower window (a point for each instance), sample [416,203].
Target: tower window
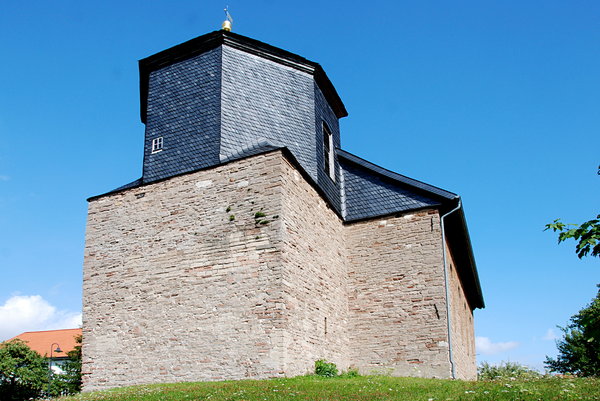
[157,144]
[328,152]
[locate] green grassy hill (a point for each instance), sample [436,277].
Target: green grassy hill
[357,388]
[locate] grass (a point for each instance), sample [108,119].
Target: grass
[357,388]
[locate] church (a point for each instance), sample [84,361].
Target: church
[254,245]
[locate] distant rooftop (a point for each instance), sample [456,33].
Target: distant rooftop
[41,341]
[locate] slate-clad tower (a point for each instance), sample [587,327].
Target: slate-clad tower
[253,245]
[222,96]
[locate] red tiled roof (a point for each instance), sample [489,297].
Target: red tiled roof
[40,341]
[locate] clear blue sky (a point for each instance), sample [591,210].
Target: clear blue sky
[498,101]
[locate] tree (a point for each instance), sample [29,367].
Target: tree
[23,372]
[579,351]
[586,234]
[68,382]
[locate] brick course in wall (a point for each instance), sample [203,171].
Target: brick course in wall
[184,281]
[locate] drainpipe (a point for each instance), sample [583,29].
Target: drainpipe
[450,355]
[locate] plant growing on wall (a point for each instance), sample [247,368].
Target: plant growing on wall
[260,218]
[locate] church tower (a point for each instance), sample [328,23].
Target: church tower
[253,245]
[222,95]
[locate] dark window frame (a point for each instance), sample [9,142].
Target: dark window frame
[157,144]
[328,158]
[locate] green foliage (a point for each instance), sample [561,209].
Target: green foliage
[352,372]
[586,234]
[329,369]
[506,371]
[232,217]
[362,388]
[579,350]
[325,369]
[258,219]
[23,372]
[70,381]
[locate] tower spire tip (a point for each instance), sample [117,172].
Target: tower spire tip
[226,26]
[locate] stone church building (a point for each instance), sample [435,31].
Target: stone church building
[253,245]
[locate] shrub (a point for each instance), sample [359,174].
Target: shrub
[506,371]
[350,373]
[325,369]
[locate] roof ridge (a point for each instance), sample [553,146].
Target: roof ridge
[45,331]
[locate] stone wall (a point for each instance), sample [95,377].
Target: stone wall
[244,271]
[463,334]
[174,290]
[315,277]
[397,296]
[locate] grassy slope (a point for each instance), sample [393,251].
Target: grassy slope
[359,388]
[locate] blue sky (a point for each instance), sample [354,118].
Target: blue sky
[497,101]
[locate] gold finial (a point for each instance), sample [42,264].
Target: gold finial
[226,26]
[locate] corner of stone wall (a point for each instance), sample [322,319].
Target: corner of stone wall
[315,277]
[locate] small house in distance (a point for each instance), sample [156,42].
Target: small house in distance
[253,245]
[47,342]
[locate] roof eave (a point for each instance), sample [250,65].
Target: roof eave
[479,301]
[458,236]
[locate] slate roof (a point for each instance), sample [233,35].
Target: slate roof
[371,191]
[254,148]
